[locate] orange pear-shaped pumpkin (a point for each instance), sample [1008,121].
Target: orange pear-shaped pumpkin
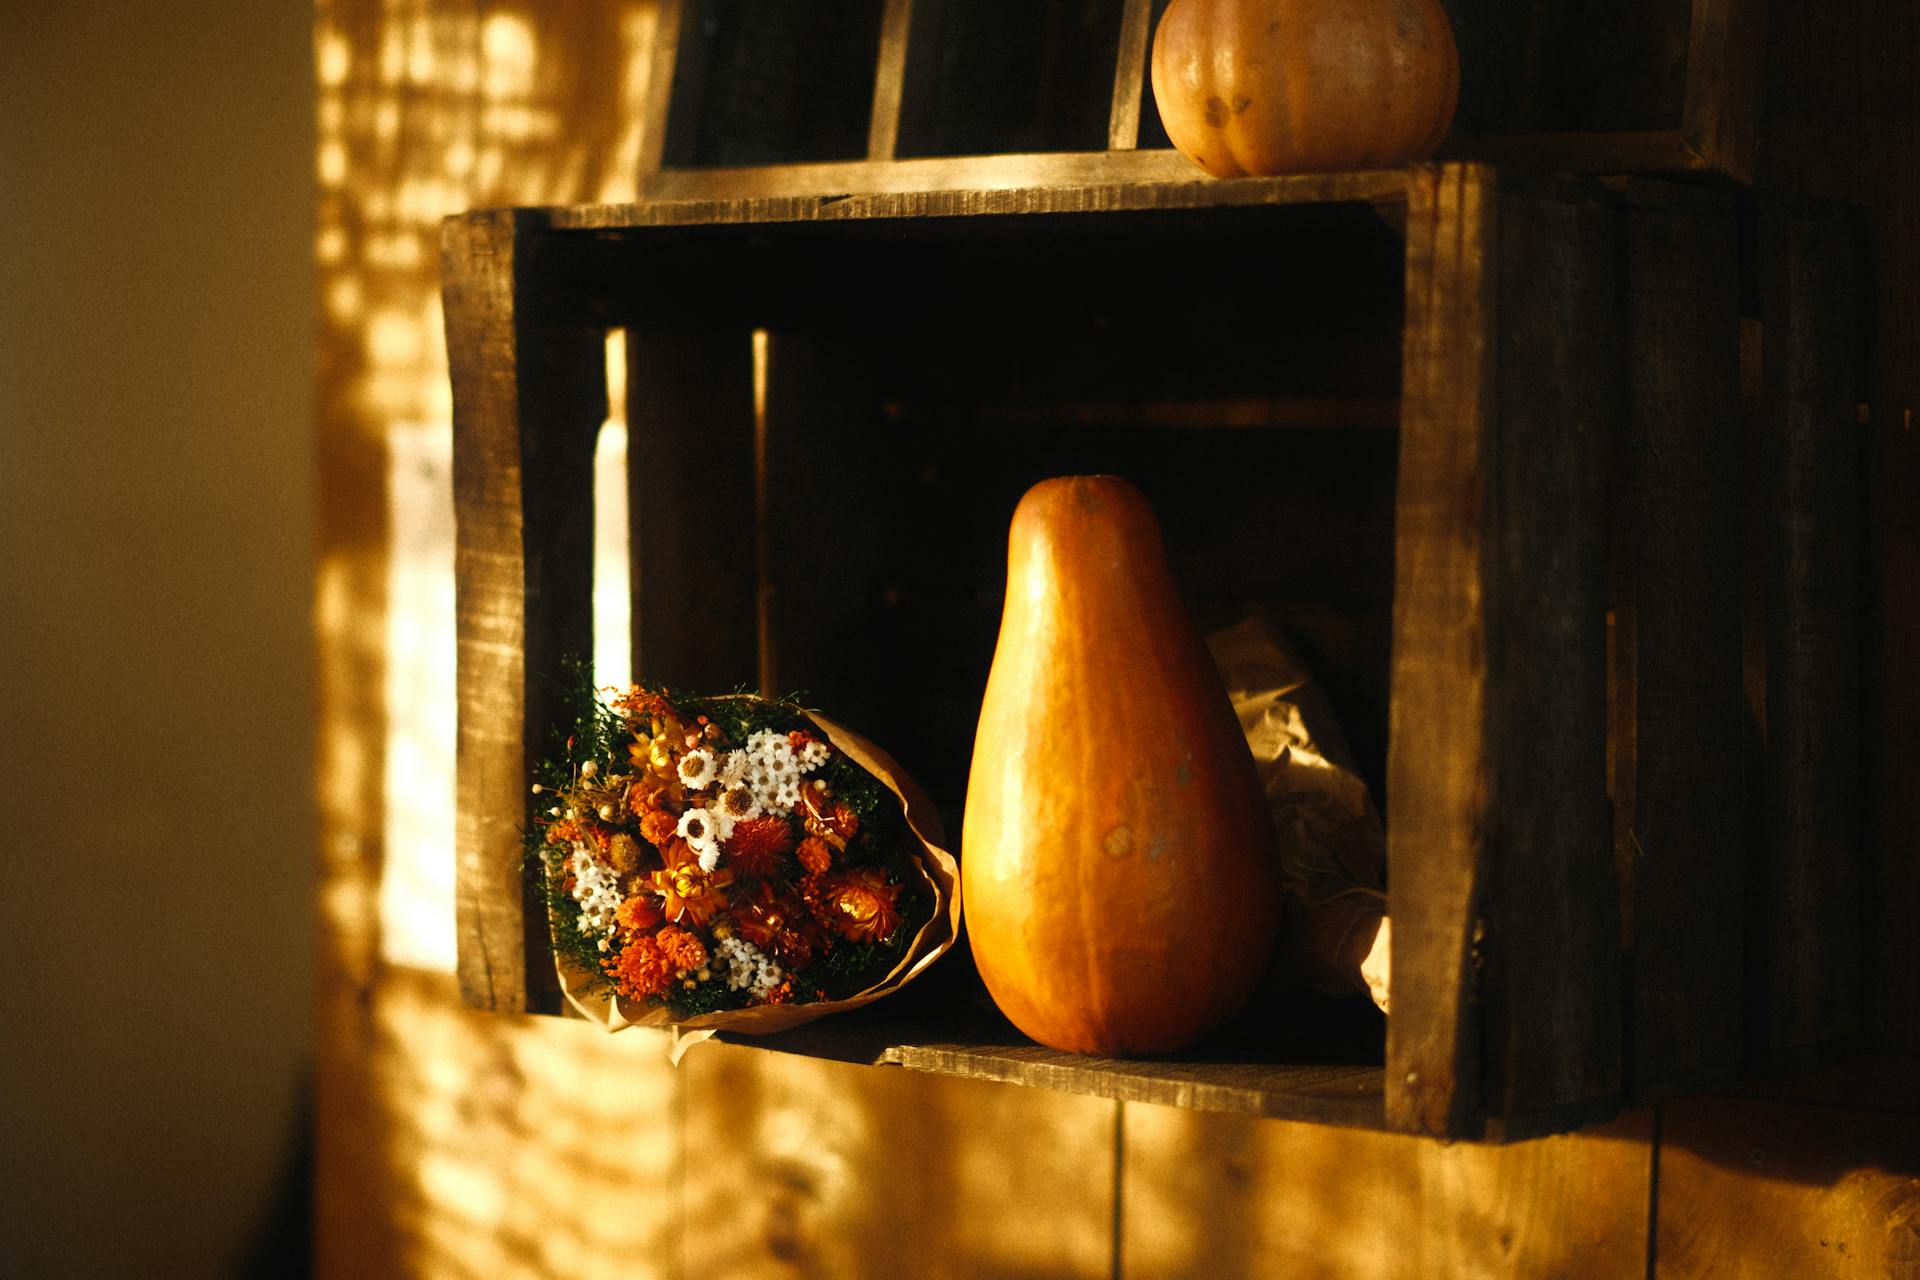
[1117,862]
[1289,86]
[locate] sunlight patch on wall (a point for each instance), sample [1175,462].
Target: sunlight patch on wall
[424,110]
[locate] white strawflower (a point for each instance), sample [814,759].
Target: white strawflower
[745,966]
[737,804]
[697,768]
[733,770]
[596,889]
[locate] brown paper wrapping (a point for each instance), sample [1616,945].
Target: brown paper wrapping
[595,1003]
[1333,846]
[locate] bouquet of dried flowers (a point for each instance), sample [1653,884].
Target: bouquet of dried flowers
[733,862]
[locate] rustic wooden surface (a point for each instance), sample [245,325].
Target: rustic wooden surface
[1720,109]
[529,394]
[1680,741]
[1217,1196]
[1551,979]
[1842,124]
[798,1167]
[690,478]
[1497,803]
[1815,625]
[1757,1190]
[889,80]
[1438,746]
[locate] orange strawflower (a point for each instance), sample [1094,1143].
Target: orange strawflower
[686,892]
[682,950]
[637,913]
[640,971]
[756,845]
[860,904]
[815,855]
[657,827]
[779,926]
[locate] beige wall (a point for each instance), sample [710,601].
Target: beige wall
[156,207]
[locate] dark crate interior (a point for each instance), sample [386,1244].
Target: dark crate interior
[899,437]
[986,76]
[768,82]
[730,107]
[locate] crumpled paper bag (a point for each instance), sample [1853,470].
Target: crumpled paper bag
[1333,846]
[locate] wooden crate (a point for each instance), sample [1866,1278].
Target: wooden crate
[1475,435]
[765,97]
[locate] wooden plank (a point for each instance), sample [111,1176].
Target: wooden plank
[1681,762]
[529,394]
[1206,415]
[805,1168]
[823,589]
[1756,1190]
[1438,766]
[1503,882]
[690,482]
[465,1144]
[1551,983]
[1130,75]
[889,80]
[1209,1195]
[950,1028]
[669,16]
[967,186]
[1720,114]
[1625,151]
[1815,619]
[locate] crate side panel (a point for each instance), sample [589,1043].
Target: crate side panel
[1552,981]
[1684,836]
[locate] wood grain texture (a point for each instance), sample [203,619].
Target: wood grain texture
[824,589]
[1213,1195]
[1720,110]
[530,393]
[835,182]
[1680,752]
[1130,75]
[670,15]
[1841,124]
[797,1167]
[889,79]
[1815,629]
[1438,767]
[1503,885]
[470,1143]
[690,466]
[1757,1190]
[1551,983]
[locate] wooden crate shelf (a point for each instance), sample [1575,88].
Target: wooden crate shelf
[973,1041]
[763,97]
[1516,587]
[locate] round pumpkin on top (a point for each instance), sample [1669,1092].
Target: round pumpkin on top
[1118,862]
[1261,87]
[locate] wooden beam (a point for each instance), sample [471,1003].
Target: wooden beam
[1815,617]
[889,80]
[669,15]
[1438,758]
[529,391]
[1129,75]
[1506,997]
[1680,746]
